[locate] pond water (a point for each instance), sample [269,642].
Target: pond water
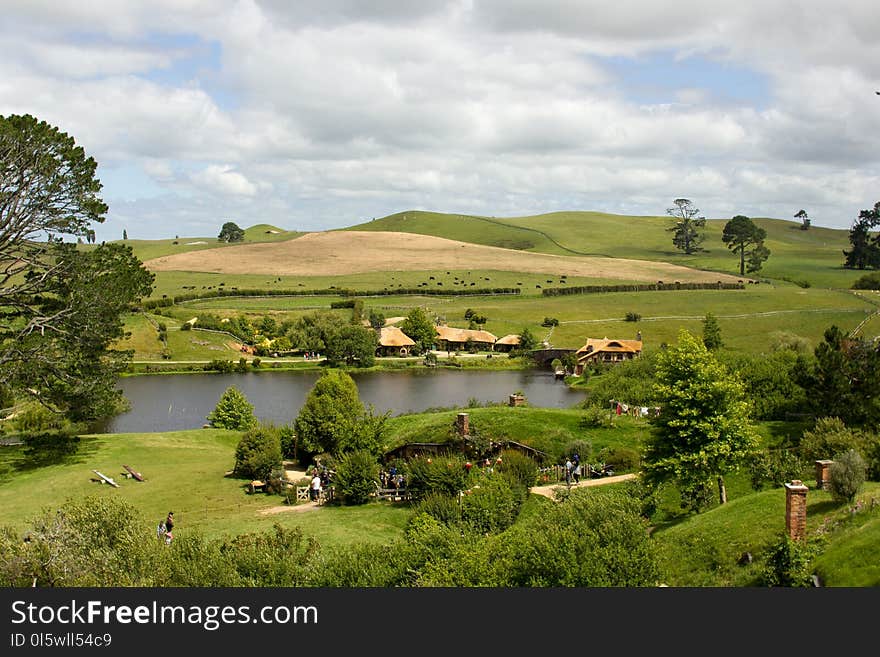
[171,402]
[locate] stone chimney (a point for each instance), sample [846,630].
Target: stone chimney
[823,475]
[462,424]
[796,509]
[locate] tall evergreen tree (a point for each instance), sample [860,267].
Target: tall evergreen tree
[712,332]
[865,251]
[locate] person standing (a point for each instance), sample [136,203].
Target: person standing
[169,525]
[576,467]
[568,469]
[315,490]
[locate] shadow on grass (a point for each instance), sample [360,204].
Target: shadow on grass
[42,451]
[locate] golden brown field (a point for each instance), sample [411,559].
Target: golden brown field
[353,252]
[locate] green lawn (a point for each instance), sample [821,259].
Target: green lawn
[185,472]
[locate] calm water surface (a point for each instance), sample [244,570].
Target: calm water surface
[183,401]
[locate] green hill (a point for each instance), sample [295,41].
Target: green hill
[813,257]
[149,249]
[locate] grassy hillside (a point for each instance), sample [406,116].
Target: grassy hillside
[814,255]
[147,249]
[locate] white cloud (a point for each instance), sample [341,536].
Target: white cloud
[224,180]
[320,114]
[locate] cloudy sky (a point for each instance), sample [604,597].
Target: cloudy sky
[318,114]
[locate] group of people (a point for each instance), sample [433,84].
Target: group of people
[391,478]
[163,530]
[321,477]
[573,469]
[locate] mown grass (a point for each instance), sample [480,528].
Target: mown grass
[185,471]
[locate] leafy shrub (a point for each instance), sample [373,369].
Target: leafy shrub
[356,475]
[443,474]
[632,317]
[595,417]
[847,474]
[868,282]
[621,459]
[774,466]
[829,436]
[258,452]
[219,365]
[186,326]
[519,469]
[489,506]
[288,441]
[233,411]
[580,446]
[788,563]
[440,506]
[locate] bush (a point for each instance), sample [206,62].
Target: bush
[595,417]
[867,282]
[621,459]
[632,317]
[233,411]
[580,446]
[440,506]
[258,453]
[356,476]
[444,474]
[219,365]
[829,436]
[520,470]
[788,563]
[847,474]
[490,506]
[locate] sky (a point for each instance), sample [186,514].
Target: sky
[321,114]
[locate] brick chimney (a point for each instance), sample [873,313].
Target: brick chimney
[462,424]
[823,475]
[796,509]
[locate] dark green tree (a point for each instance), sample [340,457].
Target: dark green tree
[61,308]
[712,332]
[841,380]
[527,341]
[686,234]
[353,345]
[420,329]
[357,476]
[805,220]
[258,453]
[744,237]
[703,429]
[377,319]
[230,232]
[233,411]
[331,409]
[865,251]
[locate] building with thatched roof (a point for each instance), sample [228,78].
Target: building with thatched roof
[456,339]
[606,351]
[393,342]
[507,343]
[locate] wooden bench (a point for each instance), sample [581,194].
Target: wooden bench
[256,485]
[393,494]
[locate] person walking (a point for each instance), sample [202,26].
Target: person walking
[576,467]
[568,469]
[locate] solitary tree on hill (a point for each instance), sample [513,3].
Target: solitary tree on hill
[865,251]
[230,232]
[686,234]
[805,220]
[744,237]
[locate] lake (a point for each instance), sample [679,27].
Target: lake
[171,402]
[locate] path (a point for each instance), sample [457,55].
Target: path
[547,491]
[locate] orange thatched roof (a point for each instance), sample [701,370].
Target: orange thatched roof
[511,339]
[610,346]
[391,336]
[462,335]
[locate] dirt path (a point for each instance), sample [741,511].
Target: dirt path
[547,491]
